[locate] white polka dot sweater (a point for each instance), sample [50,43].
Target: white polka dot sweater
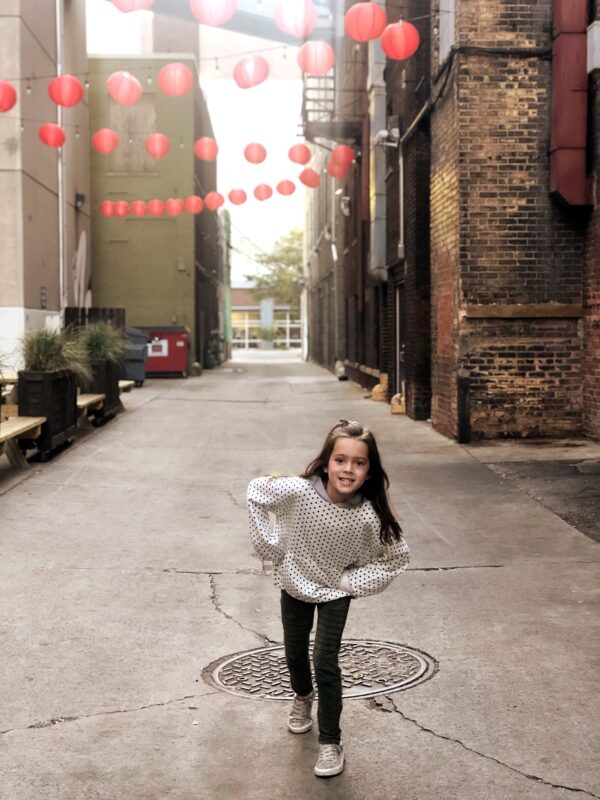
[321,551]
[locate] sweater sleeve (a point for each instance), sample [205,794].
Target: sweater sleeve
[376,576]
[267,494]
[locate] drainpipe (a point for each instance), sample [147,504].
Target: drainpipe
[336,287]
[377,120]
[569,103]
[62,211]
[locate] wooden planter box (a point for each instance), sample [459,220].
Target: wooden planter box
[52,395]
[105,380]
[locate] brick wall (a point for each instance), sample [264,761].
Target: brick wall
[445,237]
[526,377]
[517,245]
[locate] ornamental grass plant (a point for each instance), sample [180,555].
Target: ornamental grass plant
[102,342]
[50,351]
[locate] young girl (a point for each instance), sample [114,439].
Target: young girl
[335,537]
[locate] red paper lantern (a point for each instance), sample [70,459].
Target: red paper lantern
[206,149]
[52,134]
[213,12]
[174,206]
[213,200]
[156,208]
[237,197]
[157,145]
[365,21]
[286,187]
[296,17]
[400,40]
[194,204]
[105,141]
[343,155]
[255,153]
[300,154]
[175,79]
[263,191]
[310,178]
[132,5]
[124,88]
[316,58]
[66,90]
[251,71]
[106,208]
[8,96]
[336,170]
[138,208]
[121,208]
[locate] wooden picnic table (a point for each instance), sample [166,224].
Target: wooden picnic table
[14,428]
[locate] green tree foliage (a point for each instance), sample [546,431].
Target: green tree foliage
[281,276]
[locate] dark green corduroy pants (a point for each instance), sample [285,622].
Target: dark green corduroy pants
[297,617]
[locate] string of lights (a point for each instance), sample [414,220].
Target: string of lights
[85,76]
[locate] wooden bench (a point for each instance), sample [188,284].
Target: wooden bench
[126,386]
[14,428]
[89,402]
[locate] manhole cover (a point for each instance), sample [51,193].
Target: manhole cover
[368,668]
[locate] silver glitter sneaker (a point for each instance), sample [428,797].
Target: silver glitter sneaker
[300,717]
[330,761]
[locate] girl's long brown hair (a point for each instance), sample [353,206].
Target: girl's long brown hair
[374,488]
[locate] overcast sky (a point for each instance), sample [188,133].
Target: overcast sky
[269,114]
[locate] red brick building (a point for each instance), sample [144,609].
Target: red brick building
[485,315]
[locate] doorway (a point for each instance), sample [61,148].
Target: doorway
[400,315]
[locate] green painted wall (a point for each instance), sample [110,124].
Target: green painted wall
[145,265]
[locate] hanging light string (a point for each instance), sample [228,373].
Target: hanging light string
[85,76]
[126,135]
[282,47]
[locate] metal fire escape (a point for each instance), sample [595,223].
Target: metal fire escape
[330,109]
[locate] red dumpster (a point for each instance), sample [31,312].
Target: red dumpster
[168,350]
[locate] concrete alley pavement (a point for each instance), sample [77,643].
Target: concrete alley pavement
[126,569]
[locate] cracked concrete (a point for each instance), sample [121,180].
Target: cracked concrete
[126,569]
[265,640]
[387,704]
[58,720]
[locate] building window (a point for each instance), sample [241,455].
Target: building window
[246,326]
[447,35]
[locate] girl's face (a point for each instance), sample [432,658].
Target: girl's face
[347,468]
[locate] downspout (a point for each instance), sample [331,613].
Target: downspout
[377,119]
[62,277]
[336,298]
[568,181]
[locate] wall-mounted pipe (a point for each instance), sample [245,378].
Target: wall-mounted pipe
[568,180]
[377,94]
[62,204]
